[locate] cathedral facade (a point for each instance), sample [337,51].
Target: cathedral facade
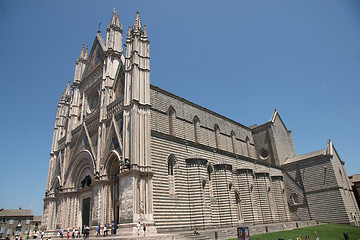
[125,151]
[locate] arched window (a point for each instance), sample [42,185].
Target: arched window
[217,135]
[171,115]
[196,122]
[238,205]
[233,140]
[171,164]
[171,167]
[210,171]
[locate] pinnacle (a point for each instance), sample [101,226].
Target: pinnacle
[129,33]
[67,90]
[145,32]
[117,20]
[86,52]
[137,23]
[113,18]
[82,52]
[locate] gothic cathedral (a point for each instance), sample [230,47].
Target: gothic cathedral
[125,151]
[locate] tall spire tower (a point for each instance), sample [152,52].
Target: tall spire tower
[137,119]
[137,95]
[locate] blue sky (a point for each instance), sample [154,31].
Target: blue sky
[242,59]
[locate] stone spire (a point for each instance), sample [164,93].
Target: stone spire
[137,94]
[117,23]
[67,93]
[112,21]
[144,35]
[137,27]
[114,33]
[128,36]
[86,53]
[80,64]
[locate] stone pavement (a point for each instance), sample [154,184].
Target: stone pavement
[207,234]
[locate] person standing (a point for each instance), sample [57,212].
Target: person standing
[78,232]
[84,232]
[105,230]
[139,228]
[98,231]
[144,228]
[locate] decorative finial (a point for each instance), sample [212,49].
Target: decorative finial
[99,27]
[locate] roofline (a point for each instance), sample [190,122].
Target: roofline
[196,105]
[307,158]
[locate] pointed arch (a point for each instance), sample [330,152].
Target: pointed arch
[196,123]
[238,205]
[111,165]
[82,166]
[210,171]
[172,117]
[171,162]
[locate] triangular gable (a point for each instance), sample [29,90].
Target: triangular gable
[96,56]
[113,139]
[83,142]
[330,150]
[275,116]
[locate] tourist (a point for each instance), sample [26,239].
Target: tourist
[196,232]
[144,228]
[98,231]
[73,233]
[105,230]
[87,231]
[84,231]
[139,228]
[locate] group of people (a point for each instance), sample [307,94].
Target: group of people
[74,233]
[105,231]
[138,226]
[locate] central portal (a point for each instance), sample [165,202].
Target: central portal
[86,211]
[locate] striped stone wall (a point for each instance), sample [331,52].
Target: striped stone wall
[215,180]
[205,188]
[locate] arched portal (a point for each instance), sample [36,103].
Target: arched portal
[79,177]
[111,190]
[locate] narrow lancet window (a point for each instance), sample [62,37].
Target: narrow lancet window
[196,122]
[171,115]
[217,136]
[171,170]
